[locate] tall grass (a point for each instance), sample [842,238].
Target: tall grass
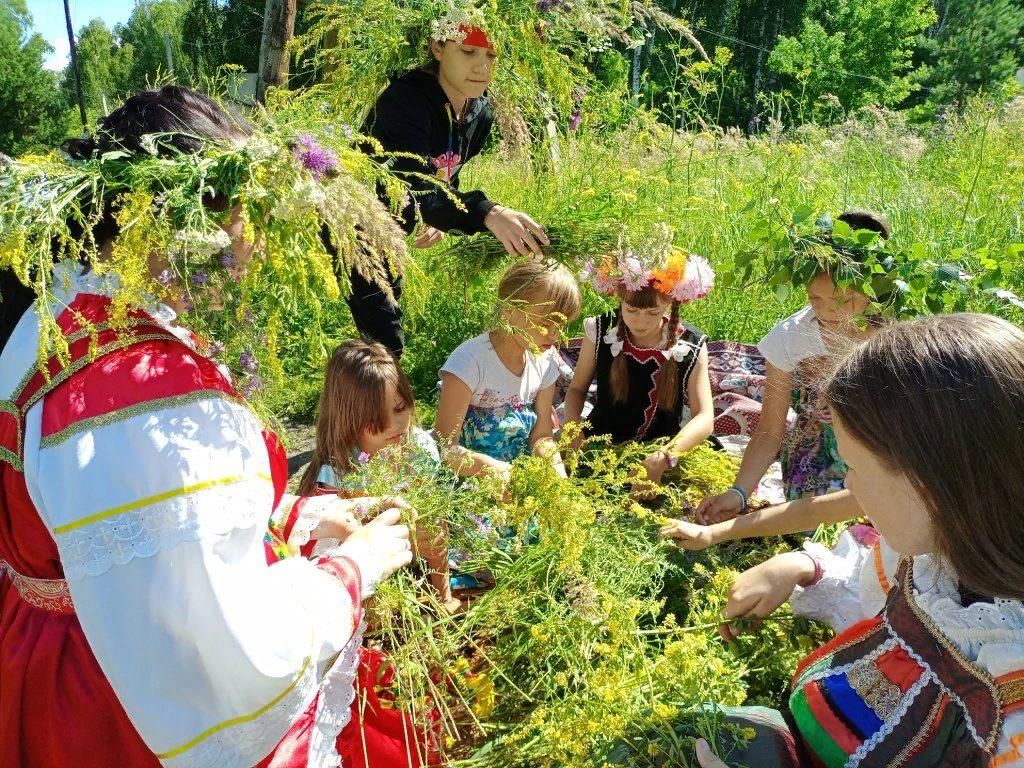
[958,190]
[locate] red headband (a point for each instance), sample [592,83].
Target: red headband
[475,36]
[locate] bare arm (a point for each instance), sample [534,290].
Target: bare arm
[702,409]
[761,451]
[792,517]
[451,413]
[542,437]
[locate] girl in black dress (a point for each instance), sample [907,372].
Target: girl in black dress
[651,367]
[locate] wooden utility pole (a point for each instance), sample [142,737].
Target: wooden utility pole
[278,28]
[167,50]
[74,65]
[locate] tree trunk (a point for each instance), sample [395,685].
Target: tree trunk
[278,28]
[74,65]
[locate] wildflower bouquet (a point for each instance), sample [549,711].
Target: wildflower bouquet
[310,206]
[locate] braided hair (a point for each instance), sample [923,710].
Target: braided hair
[668,375]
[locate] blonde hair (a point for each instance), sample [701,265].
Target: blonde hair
[354,399]
[540,283]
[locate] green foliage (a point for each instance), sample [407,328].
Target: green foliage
[32,113]
[857,51]
[105,67]
[975,47]
[597,639]
[545,48]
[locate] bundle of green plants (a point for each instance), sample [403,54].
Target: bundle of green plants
[309,205]
[597,643]
[547,50]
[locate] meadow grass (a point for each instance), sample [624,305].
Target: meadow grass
[958,191]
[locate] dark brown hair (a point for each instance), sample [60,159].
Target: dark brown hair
[181,121]
[668,375]
[941,399]
[354,398]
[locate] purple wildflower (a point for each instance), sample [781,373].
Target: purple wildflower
[186,302]
[164,278]
[251,386]
[363,458]
[216,348]
[315,158]
[248,361]
[227,259]
[200,277]
[575,120]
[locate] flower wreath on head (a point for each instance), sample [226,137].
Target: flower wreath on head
[682,276]
[461,26]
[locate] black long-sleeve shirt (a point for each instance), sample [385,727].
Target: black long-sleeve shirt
[414,115]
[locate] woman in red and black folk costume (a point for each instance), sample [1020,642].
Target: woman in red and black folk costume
[928,667]
[140,620]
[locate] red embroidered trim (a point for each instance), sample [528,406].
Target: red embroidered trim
[347,572]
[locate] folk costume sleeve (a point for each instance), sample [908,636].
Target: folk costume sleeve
[856,576]
[401,121]
[156,484]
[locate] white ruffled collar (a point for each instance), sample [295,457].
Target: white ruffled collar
[678,352]
[972,626]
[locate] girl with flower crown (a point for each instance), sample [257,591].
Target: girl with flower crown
[438,117]
[651,367]
[797,351]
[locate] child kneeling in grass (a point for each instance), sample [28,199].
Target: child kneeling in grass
[928,665]
[366,408]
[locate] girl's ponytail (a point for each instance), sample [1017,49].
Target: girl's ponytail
[619,374]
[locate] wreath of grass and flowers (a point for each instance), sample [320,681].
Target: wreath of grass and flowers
[598,643]
[545,47]
[901,281]
[311,205]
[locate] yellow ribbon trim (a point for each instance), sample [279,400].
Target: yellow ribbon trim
[237,720]
[229,480]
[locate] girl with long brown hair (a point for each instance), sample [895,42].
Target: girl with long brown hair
[928,668]
[367,408]
[651,367]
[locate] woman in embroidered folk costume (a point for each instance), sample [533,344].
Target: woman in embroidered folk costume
[140,622]
[651,367]
[440,117]
[928,666]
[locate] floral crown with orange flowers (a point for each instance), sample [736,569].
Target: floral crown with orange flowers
[682,276]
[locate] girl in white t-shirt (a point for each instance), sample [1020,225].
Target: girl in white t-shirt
[497,388]
[795,351]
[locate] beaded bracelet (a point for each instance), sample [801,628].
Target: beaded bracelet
[743,497]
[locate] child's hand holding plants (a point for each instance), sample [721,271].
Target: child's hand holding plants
[717,509]
[689,536]
[760,590]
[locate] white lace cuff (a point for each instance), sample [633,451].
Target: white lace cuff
[835,598]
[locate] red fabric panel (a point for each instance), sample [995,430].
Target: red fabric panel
[143,372]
